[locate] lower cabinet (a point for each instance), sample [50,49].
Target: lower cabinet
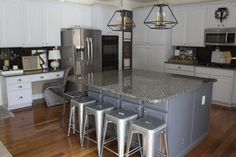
[223,88]
[187,70]
[150,56]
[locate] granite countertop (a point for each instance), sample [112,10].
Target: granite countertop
[142,85]
[209,65]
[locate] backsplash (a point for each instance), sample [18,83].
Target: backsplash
[18,53]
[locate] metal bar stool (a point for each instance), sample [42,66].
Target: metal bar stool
[67,97]
[78,103]
[121,118]
[98,110]
[148,127]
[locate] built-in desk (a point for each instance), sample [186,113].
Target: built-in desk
[17,90]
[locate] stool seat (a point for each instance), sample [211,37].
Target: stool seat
[149,124]
[84,100]
[73,94]
[120,114]
[99,107]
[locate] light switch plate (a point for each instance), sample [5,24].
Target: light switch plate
[203,100]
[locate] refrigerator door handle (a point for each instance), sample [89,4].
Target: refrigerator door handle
[91,41]
[88,48]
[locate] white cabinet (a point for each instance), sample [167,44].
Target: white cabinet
[52,24]
[33,23]
[140,57]
[187,70]
[211,21]
[76,15]
[223,88]
[11,23]
[143,34]
[150,57]
[190,28]
[100,18]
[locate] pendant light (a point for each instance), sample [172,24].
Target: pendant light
[121,20]
[160,17]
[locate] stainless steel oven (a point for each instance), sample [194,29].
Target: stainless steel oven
[220,36]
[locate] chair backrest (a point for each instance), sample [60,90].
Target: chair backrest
[66,73]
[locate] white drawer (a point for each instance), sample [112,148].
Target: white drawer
[19,97]
[224,73]
[17,79]
[180,72]
[18,86]
[39,77]
[180,67]
[202,70]
[55,75]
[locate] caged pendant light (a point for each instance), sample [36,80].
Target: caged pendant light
[121,20]
[160,17]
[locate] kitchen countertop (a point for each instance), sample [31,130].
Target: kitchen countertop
[152,87]
[35,72]
[209,65]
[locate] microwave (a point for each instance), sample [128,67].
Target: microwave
[220,36]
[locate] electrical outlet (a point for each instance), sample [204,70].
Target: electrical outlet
[203,100]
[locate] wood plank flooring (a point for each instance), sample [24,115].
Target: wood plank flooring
[36,132]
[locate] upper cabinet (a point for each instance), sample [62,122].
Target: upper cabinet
[211,21]
[190,28]
[100,18]
[11,23]
[52,24]
[33,23]
[144,35]
[76,15]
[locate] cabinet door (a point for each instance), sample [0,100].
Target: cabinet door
[223,89]
[52,24]
[195,26]
[33,23]
[231,20]
[157,56]
[179,31]
[140,31]
[11,23]
[76,15]
[211,21]
[140,57]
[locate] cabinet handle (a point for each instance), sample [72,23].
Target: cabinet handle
[179,67]
[20,97]
[223,25]
[218,25]
[20,86]
[41,77]
[19,80]
[58,75]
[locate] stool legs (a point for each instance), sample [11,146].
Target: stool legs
[71,120]
[63,113]
[82,121]
[148,145]
[129,141]
[121,128]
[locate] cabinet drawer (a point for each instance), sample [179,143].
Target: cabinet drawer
[180,67]
[55,75]
[18,79]
[224,73]
[19,97]
[18,86]
[180,72]
[39,77]
[202,70]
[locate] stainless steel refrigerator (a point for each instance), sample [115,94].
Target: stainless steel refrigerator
[82,50]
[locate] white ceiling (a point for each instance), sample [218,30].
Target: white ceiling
[130,4]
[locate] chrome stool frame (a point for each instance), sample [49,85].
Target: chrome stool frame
[68,96]
[148,127]
[98,110]
[121,118]
[80,104]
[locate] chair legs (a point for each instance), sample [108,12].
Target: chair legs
[121,128]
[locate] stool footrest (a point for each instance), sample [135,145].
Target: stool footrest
[135,150]
[111,150]
[110,140]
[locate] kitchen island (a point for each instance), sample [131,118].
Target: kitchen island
[183,102]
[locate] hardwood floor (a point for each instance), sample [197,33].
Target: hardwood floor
[36,132]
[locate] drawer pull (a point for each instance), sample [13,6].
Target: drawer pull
[41,77]
[58,75]
[19,80]
[20,97]
[20,86]
[179,67]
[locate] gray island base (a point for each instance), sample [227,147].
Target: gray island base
[184,103]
